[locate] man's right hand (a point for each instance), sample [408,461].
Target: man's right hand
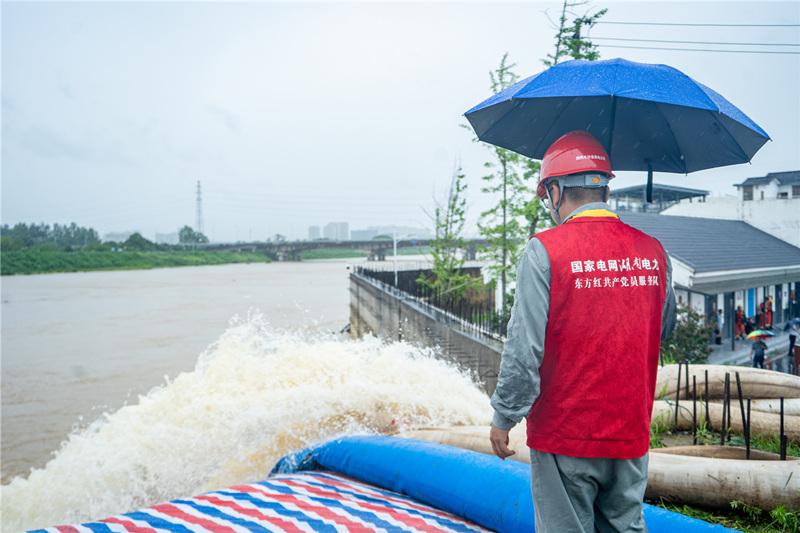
[499,439]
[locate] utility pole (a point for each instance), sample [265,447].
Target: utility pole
[198,222]
[394,257]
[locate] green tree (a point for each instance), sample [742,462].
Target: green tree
[571,36]
[517,213]
[498,225]
[186,235]
[57,236]
[447,275]
[689,340]
[138,243]
[9,244]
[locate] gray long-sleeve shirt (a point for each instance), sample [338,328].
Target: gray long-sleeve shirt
[518,383]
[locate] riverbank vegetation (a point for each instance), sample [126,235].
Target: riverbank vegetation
[347,253]
[42,248]
[333,253]
[36,261]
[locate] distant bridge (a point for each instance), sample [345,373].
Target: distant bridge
[292,250]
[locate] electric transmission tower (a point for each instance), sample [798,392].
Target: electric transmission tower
[198,223]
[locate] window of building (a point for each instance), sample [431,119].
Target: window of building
[747,192]
[795,191]
[783,195]
[762,195]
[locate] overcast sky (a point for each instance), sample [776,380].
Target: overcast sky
[299,114]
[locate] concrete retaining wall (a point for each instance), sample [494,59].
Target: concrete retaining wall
[379,309]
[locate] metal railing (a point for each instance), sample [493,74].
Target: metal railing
[474,313]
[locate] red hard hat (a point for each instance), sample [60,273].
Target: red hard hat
[573,153]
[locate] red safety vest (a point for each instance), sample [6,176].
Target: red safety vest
[598,375]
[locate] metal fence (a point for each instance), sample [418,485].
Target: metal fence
[476,310]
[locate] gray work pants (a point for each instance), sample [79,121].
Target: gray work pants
[580,495]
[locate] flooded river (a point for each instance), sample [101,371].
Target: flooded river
[122,389]
[74,345]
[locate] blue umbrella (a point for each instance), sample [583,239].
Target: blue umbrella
[648,117]
[790,323]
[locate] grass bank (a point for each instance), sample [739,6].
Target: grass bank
[346,253]
[332,253]
[743,517]
[42,262]
[414,250]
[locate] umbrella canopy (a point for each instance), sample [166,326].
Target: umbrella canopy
[759,334]
[648,117]
[790,323]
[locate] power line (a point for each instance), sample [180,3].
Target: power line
[691,42]
[700,49]
[698,24]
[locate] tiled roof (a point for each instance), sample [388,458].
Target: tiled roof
[624,191]
[789,177]
[711,245]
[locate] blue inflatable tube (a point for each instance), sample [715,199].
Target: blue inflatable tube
[492,493]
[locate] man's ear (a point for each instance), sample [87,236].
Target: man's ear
[606,194]
[555,193]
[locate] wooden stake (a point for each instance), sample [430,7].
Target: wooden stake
[747,430]
[677,396]
[708,418]
[694,409]
[782,436]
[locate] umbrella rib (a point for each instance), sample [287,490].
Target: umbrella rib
[675,139]
[613,110]
[724,127]
[612,123]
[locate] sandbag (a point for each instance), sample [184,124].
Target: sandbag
[688,474]
[756,382]
[715,451]
[715,482]
[791,406]
[765,424]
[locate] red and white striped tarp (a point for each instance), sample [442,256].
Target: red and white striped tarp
[300,502]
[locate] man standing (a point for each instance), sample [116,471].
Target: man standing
[593,300]
[793,331]
[740,318]
[757,352]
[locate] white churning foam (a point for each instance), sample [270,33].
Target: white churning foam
[253,396]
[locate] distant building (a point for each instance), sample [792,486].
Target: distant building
[118,236]
[775,185]
[167,238]
[664,196]
[337,231]
[771,203]
[314,233]
[363,234]
[402,232]
[721,264]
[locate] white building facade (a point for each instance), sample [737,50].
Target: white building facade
[770,203]
[336,231]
